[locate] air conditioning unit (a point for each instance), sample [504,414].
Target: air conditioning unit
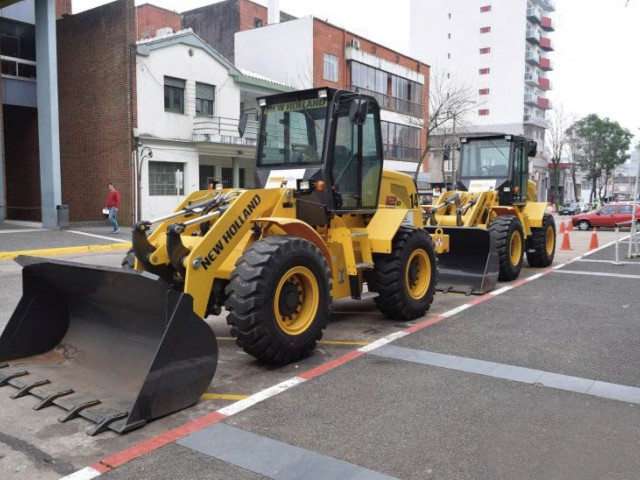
[354,43]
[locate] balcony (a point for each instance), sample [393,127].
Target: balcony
[382,99]
[17,68]
[222,130]
[546,24]
[532,58]
[548,5]
[544,83]
[533,36]
[546,64]
[544,103]
[400,152]
[530,78]
[537,121]
[531,99]
[545,44]
[534,15]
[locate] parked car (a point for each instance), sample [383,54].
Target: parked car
[607,216]
[570,208]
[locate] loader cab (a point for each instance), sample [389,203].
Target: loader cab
[496,163]
[326,144]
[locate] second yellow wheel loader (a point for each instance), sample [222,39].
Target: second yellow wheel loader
[495,194]
[123,347]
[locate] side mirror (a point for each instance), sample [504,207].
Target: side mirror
[242,123]
[446,153]
[532,148]
[358,111]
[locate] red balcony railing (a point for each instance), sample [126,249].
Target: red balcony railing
[545,44]
[544,83]
[544,103]
[545,64]
[546,24]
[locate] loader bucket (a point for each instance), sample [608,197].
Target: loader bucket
[117,347]
[471,265]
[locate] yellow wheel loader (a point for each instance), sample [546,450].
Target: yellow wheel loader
[123,347]
[494,193]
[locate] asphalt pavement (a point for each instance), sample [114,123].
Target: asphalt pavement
[536,380]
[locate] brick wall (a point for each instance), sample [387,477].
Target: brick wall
[22,163]
[250,11]
[96,75]
[151,18]
[63,7]
[328,38]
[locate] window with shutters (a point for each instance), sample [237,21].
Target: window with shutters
[174,95]
[205,98]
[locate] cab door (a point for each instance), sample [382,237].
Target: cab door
[520,173]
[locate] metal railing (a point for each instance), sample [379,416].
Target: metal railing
[381,98]
[223,130]
[531,77]
[532,57]
[400,152]
[387,102]
[18,68]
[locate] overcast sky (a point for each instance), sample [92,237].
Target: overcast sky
[596,58]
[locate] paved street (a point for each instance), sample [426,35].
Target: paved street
[537,380]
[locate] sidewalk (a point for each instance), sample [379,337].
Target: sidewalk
[31,239]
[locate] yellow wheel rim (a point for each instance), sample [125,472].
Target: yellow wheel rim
[418,274]
[551,240]
[515,249]
[296,300]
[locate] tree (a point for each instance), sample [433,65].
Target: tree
[557,136]
[449,104]
[599,146]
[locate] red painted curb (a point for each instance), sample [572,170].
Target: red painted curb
[160,441]
[314,372]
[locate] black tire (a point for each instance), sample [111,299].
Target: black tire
[129,261]
[504,231]
[393,277]
[584,225]
[296,268]
[541,247]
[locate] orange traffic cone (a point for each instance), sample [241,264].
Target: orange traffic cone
[569,225]
[562,229]
[594,240]
[566,244]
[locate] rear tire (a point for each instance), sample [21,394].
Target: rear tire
[584,225]
[508,237]
[405,279]
[542,243]
[278,299]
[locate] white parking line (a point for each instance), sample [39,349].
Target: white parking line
[99,236]
[599,274]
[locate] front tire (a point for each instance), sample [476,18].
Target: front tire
[542,243]
[405,279]
[278,299]
[584,225]
[508,237]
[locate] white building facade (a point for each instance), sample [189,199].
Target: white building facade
[500,50]
[189,101]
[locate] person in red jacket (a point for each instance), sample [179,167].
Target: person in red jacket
[113,203]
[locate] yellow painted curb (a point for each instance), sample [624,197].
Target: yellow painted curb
[222,396]
[49,252]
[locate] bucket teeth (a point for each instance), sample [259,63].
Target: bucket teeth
[49,399]
[77,409]
[8,376]
[25,390]
[104,424]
